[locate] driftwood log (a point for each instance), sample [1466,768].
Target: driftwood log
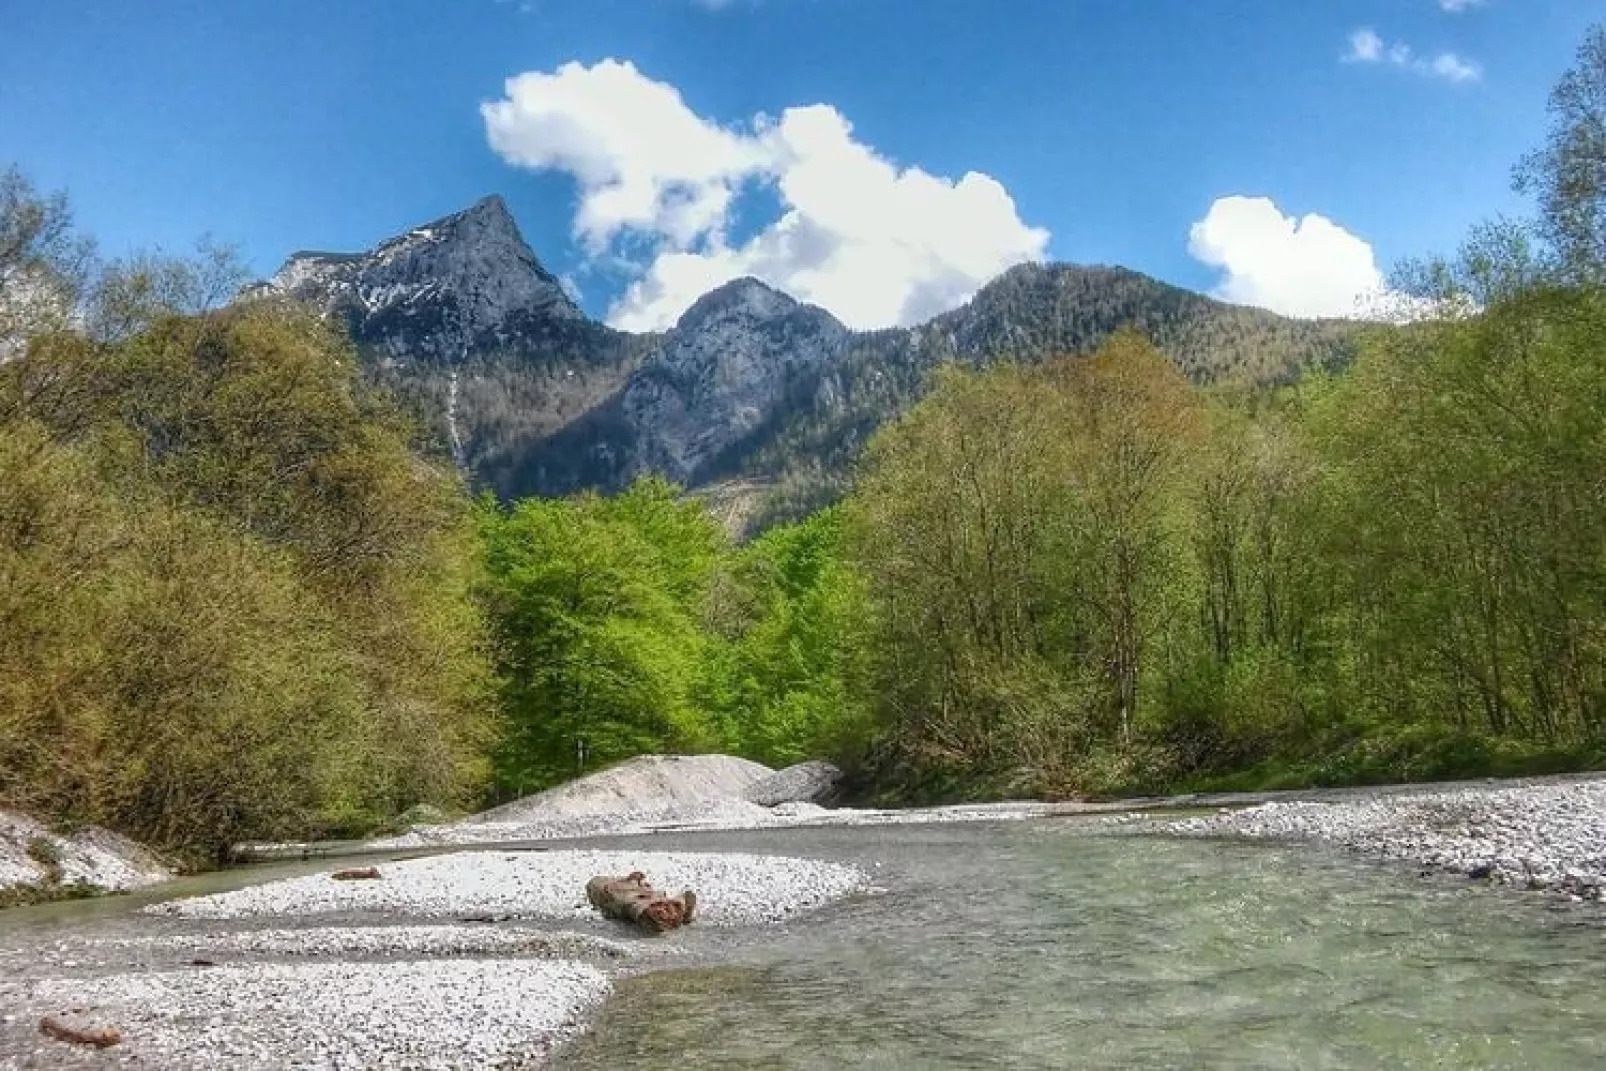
[360,873]
[631,899]
[75,1028]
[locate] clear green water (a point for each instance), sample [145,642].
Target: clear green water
[1047,945]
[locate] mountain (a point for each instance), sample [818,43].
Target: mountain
[750,388]
[464,283]
[460,317]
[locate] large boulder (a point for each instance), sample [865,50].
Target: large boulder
[807,782]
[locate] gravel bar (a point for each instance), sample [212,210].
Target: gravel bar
[445,1014]
[1539,836]
[721,815]
[733,889]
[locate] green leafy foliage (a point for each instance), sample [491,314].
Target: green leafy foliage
[1092,577]
[594,602]
[788,669]
[629,625]
[235,604]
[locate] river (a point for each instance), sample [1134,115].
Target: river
[1075,943]
[1068,944]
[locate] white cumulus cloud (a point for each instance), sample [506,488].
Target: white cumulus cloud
[1306,267]
[876,243]
[642,157]
[1365,46]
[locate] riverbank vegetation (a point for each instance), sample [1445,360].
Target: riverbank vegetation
[242,597]
[235,603]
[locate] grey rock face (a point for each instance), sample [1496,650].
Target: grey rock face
[807,782]
[460,318]
[726,368]
[460,284]
[462,321]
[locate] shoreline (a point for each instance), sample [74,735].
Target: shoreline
[258,972]
[1543,837]
[137,869]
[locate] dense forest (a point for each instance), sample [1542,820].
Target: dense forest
[243,595]
[235,602]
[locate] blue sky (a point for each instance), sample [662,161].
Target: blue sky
[1278,152]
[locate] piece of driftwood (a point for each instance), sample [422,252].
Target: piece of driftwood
[75,1028]
[360,873]
[631,899]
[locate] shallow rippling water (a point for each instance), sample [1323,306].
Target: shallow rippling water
[1061,944]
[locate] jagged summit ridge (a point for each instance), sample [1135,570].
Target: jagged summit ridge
[440,291]
[750,384]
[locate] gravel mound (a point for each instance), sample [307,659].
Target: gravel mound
[432,1014]
[654,793]
[807,782]
[712,814]
[718,814]
[643,784]
[89,856]
[732,889]
[1550,836]
[641,795]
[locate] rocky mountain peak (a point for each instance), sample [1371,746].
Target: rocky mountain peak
[462,283]
[721,372]
[744,298]
[462,319]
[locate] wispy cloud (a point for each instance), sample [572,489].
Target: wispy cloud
[1456,7]
[1366,46]
[1450,66]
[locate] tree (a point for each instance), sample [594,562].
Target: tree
[43,263]
[1131,420]
[1568,175]
[787,666]
[235,603]
[595,602]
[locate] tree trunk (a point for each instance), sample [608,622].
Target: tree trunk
[631,899]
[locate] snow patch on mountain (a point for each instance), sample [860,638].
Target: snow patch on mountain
[461,283]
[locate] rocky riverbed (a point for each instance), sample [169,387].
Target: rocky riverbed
[463,960]
[1546,836]
[492,958]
